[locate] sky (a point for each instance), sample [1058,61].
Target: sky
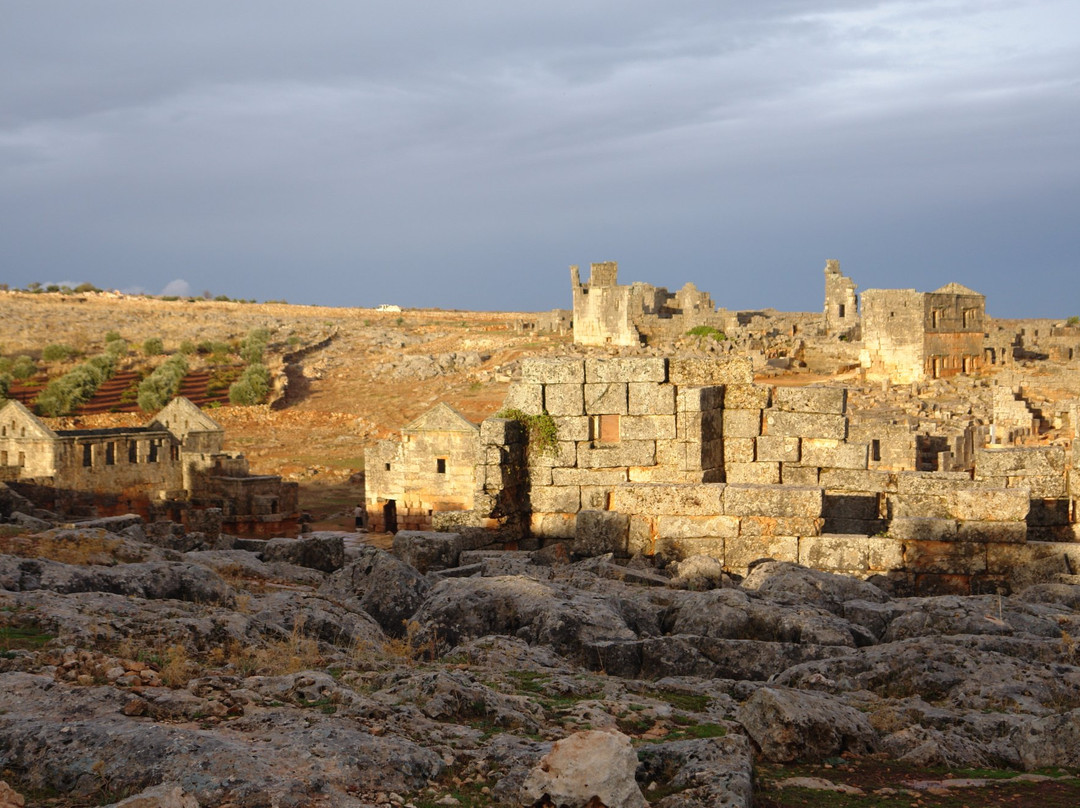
[464,155]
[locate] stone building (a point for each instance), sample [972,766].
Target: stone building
[606,313]
[841,302]
[431,469]
[676,457]
[910,336]
[173,464]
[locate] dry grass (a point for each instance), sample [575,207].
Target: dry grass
[85,550]
[407,649]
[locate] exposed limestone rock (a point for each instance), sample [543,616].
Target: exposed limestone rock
[792,725]
[586,767]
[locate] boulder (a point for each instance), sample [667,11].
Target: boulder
[318,551]
[789,725]
[382,586]
[584,767]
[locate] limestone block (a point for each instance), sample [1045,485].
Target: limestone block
[671,453]
[647,427]
[564,455]
[595,497]
[625,369]
[914,506]
[491,456]
[740,552]
[768,526]
[553,525]
[854,527]
[564,399]
[828,453]
[828,400]
[649,398]
[678,549]
[772,500]
[1040,487]
[693,527]
[805,425]
[699,426]
[857,480]
[606,477]
[884,554]
[617,455]
[572,427]
[937,483]
[699,399]
[641,537]
[711,455]
[795,474]
[741,423]
[835,552]
[1000,532]
[922,528]
[1004,558]
[780,448]
[739,450]
[555,498]
[427,550]
[553,371]
[492,477]
[746,396]
[990,504]
[606,399]
[704,499]
[501,432]
[525,396]
[755,473]
[851,505]
[949,557]
[599,532]
[540,475]
[712,371]
[1020,461]
[1048,512]
[665,474]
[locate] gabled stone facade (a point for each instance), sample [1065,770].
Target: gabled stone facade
[431,469]
[173,464]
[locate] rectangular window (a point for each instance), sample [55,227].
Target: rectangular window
[110,454]
[440,465]
[388,467]
[133,451]
[3,458]
[152,457]
[22,459]
[87,455]
[840,311]
[875,449]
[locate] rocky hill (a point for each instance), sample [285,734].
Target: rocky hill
[178,669]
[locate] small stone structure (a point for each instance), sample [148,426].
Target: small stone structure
[841,302]
[908,335]
[431,469]
[170,466]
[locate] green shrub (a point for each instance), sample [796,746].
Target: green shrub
[707,331]
[116,347]
[161,386]
[23,368]
[57,352]
[187,347]
[542,430]
[112,336]
[153,346]
[1073,321]
[5,386]
[252,387]
[77,386]
[254,345]
[86,287]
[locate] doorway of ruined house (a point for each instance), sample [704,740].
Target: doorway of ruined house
[389,512]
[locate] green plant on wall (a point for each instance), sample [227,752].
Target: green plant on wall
[542,430]
[707,331]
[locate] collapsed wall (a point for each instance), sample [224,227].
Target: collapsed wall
[675,457]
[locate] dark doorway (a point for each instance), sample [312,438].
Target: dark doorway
[389,512]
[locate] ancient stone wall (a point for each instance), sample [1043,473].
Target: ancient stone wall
[841,302]
[892,334]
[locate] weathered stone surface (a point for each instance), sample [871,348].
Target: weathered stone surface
[857,480]
[427,550]
[1008,532]
[792,725]
[778,448]
[772,500]
[626,453]
[599,532]
[572,427]
[742,423]
[584,768]
[609,398]
[564,399]
[833,454]
[525,396]
[710,773]
[581,477]
[319,551]
[752,473]
[798,475]
[746,396]
[952,557]
[556,499]
[740,552]
[625,369]
[699,399]
[501,432]
[702,372]
[647,427]
[381,585]
[919,528]
[739,450]
[828,400]
[693,527]
[805,425]
[689,500]
[648,398]
[543,370]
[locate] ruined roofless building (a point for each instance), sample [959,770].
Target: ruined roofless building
[606,313]
[841,302]
[909,336]
[170,465]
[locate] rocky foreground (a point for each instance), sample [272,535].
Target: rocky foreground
[145,666]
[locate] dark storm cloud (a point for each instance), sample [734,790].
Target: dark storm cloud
[464,154]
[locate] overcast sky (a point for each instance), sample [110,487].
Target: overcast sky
[464,154]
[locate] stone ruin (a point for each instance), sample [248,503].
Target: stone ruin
[174,468]
[674,457]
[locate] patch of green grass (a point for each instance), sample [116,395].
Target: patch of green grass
[690,702]
[22,639]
